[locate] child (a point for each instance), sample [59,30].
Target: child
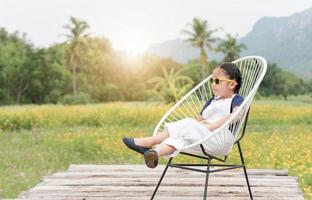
[225,83]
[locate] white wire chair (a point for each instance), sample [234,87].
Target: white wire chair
[253,69]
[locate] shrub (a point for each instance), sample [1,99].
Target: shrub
[81,98]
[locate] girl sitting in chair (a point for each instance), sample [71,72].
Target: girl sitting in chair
[225,83]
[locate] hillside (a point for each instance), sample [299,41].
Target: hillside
[286,41]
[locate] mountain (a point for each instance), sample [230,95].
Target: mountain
[286,41]
[179,50]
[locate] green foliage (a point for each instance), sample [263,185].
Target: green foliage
[192,70]
[15,68]
[103,74]
[279,82]
[278,136]
[230,48]
[134,85]
[49,116]
[201,36]
[301,98]
[81,98]
[30,75]
[171,86]
[77,29]
[50,75]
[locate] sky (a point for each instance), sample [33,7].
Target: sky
[133,25]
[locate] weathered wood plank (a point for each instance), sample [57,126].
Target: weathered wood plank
[147,194]
[150,174]
[157,198]
[264,182]
[138,182]
[52,188]
[160,168]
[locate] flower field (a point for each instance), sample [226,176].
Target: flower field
[39,140]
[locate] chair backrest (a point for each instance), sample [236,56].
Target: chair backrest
[253,69]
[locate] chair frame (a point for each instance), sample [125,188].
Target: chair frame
[209,158]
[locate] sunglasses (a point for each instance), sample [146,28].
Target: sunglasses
[217,81]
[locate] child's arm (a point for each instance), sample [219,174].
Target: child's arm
[200,118]
[220,122]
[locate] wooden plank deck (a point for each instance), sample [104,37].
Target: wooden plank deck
[137,182]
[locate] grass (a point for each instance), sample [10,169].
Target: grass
[39,140]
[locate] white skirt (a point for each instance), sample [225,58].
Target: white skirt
[188,131]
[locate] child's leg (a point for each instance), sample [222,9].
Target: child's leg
[151,141]
[164,149]
[151,157]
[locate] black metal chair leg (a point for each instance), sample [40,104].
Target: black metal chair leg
[245,171]
[206,181]
[162,176]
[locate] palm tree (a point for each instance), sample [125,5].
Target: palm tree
[230,48]
[172,85]
[201,37]
[77,29]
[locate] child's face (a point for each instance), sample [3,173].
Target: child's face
[225,88]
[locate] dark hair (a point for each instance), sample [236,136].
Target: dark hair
[234,74]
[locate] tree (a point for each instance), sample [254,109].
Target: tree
[134,85]
[279,82]
[101,72]
[201,37]
[172,85]
[192,69]
[291,84]
[272,82]
[49,76]
[77,29]
[15,70]
[230,48]
[308,87]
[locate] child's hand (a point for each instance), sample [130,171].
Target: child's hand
[204,122]
[208,125]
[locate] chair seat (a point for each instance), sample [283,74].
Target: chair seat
[220,143]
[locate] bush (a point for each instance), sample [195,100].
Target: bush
[301,98]
[81,98]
